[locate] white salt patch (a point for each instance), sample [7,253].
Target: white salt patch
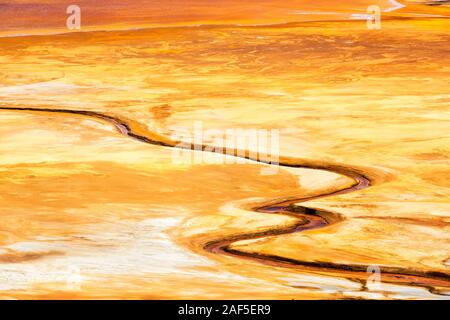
[125,248]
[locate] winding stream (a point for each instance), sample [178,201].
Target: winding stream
[306,218]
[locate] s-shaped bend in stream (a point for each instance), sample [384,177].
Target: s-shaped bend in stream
[306,218]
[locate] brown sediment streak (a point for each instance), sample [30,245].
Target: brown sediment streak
[18,257]
[307,218]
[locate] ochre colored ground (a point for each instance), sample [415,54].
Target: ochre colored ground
[78,199]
